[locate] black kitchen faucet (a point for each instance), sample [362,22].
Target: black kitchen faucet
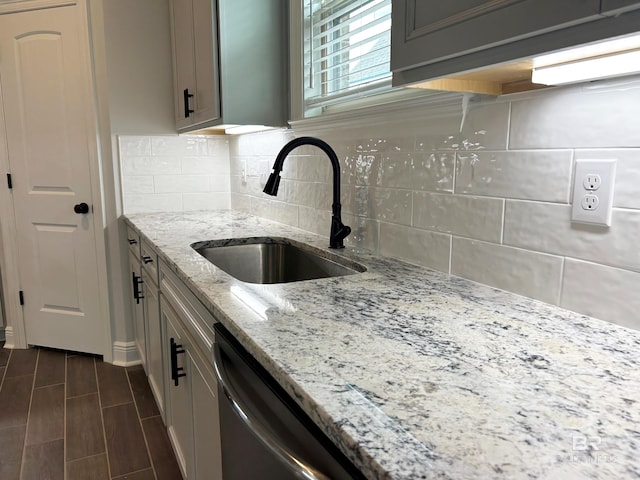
[339,231]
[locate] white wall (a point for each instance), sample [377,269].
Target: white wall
[489,202]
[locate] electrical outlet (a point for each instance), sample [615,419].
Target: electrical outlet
[593,191]
[592,181]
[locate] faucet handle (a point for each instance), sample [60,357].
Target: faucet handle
[338,233]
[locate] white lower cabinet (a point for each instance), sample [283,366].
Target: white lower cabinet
[174,336]
[154,335]
[191,402]
[137,306]
[179,419]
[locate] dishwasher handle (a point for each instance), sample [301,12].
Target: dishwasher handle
[288,458]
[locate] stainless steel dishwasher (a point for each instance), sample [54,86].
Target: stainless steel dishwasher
[264,433]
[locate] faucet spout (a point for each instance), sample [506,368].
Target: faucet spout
[339,231]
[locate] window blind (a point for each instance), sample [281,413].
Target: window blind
[346,50]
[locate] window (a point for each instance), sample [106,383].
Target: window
[346,51]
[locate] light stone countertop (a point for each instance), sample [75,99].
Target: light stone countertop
[417,374]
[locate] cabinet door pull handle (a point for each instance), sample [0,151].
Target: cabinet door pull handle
[176,371]
[187,96]
[132,241]
[147,259]
[137,293]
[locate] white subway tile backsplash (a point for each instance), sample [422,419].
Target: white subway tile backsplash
[205,201]
[315,220]
[219,183]
[218,147]
[536,275]
[138,184]
[467,216]
[546,227]
[308,194]
[241,202]
[134,146]
[428,171]
[273,210]
[150,166]
[627,173]
[182,183]
[597,115]
[189,145]
[485,127]
[389,205]
[364,231]
[156,202]
[421,247]
[214,165]
[534,175]
[174,173]
[612,294]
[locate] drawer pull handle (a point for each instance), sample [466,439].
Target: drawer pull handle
[176,371]
[147,259]
[132,241]
[137,293]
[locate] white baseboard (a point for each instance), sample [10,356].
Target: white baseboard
[8,337]
[125,354]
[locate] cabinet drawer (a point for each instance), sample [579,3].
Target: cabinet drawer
[149,260]
[133,239]
[198,321]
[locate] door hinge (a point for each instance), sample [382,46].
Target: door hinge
[21,297]
[9,181]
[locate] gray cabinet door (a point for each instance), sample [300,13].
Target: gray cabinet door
[427,31]
[616,6]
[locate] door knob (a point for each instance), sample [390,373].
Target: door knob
[81,208]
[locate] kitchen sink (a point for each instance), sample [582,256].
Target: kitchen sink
[274,260]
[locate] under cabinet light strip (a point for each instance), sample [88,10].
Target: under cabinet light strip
[614,65]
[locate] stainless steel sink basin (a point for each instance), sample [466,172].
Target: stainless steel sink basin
[274,260]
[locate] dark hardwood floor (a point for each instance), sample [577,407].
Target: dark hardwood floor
[66,416]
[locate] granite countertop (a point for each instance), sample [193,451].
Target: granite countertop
[417,374]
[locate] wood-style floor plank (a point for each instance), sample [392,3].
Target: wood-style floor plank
[162,455]
[44,461]
[50,369]
[22,362]
[125,442]
[84,433]
[81,376]
[4,355]
[142,475]
[46,417]
[142,392]
[94,468]
[14,400]
[113,385]
[11,444]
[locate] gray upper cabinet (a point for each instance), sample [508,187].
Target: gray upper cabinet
[229,61]
[431,38]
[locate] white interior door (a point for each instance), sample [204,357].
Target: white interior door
[47,108]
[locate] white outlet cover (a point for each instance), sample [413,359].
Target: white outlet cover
[605,170]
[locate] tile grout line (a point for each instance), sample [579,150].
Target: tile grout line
[144,435]
[26,427]
[104,431]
